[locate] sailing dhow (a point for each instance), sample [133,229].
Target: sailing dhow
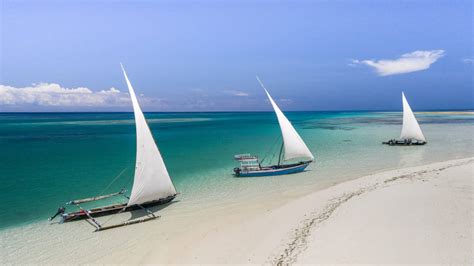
[293,148]
[411,131]
[152,184]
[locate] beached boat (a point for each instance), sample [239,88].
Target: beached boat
[152,184]
[411,131]
[292,148]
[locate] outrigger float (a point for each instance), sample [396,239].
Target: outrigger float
[411,132]
[292,148]
[152,184]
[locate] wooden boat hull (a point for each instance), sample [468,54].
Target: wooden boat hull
[112,209]
[274,170]
[404,143]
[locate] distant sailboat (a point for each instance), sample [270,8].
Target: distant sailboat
[152,184]
[411,131]
[293,148]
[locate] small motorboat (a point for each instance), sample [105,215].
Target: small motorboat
[251,167]
[292,148]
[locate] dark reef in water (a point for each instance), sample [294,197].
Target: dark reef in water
[347,123]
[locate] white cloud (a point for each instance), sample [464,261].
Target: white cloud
[237,93]
[468,60]
[52,94]
[353,63]
[410,62]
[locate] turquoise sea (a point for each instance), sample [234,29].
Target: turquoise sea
[47,159]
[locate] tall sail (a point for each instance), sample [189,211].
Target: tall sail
[293,144]
[152,181]
[410,129]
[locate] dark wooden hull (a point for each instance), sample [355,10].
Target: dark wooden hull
[404,143]
[112,209]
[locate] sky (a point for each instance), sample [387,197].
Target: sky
[204,55]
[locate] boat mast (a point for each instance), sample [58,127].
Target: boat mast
[281,151]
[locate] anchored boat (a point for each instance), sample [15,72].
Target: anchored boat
[292,148]
[152,184]
[411,131]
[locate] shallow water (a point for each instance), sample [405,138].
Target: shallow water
[48,159]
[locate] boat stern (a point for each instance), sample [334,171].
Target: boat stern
[237,171]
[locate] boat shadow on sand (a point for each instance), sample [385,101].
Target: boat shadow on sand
[136,216]
[141,213]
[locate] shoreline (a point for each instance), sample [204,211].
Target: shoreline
[281,235]
[423,217]
[270,230]
[280,195]
[355,216]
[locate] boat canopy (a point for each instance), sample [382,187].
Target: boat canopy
[410,129]
[245,157]
[152,181]
[294,146]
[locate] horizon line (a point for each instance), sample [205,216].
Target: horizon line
[270,111]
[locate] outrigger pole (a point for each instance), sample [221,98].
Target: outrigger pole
[95,223]
[151,216]
[75,202]
[102,228]
[62,210]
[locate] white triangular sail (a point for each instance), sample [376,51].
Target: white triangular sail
[152,181]
[410,128]
[294,146]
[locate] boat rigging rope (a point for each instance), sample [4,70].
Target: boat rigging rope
[125,183]
[113,181]
[271,148]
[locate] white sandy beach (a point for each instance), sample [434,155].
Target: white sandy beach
[421,214]
[415,215]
